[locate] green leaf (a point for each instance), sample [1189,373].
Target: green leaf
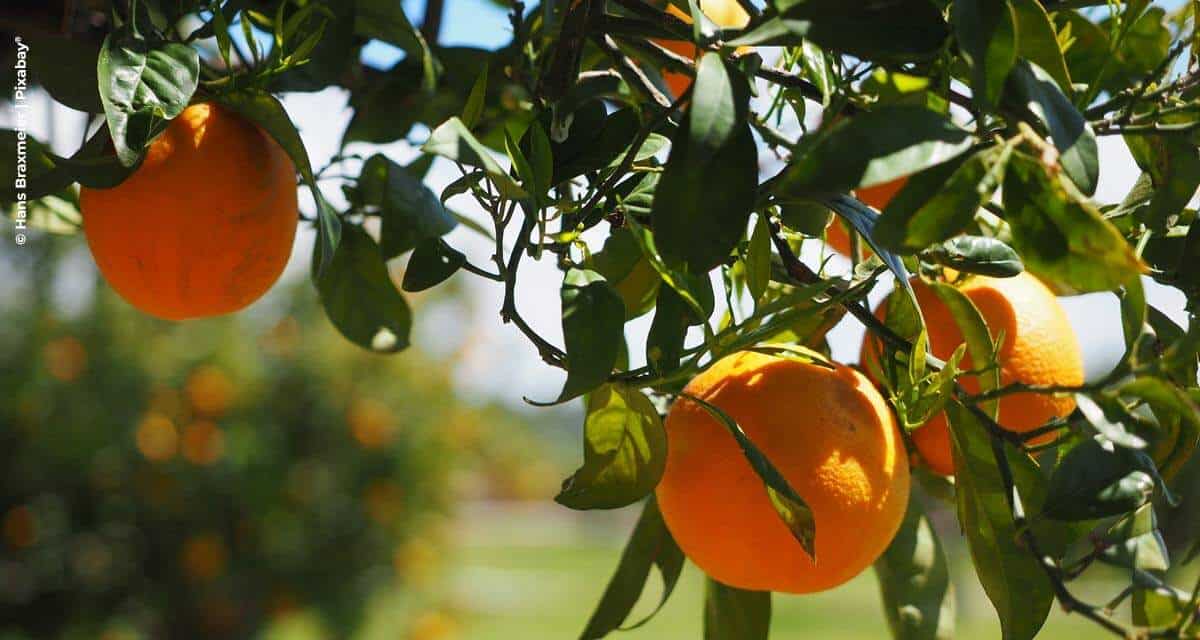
[704,197]
[650,545]
[792,509]
[1011,577]
[873,148]
[473,109]
[937,203]
[884,30]
[66,69]
[385,20]
[593,320]
[594,140]
[143,86]
[627,269]
[1032,89]
[978,254]
[1135,542]
[976,336]
[266,111]
[863,220]
[360,298]
[431,263]
[758,259]
[1172,163]
[735,614]
[664,340]
[1062,237]
[410,212]
[987,36]
[1037,41]
[914,581]
[624,453]
[1095,480]
[452,140]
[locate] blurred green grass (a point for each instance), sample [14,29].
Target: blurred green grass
[532,572]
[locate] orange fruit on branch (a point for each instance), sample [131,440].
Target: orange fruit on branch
[832,436]
[204,226]
[1039,348]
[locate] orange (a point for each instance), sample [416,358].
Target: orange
[832,436]
[877,196]
[1039,347]
[723,13]
[204,226]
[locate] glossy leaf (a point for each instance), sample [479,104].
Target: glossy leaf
[1135,542]
[624,454]
[735,614]
[885,30]
[360,298]
[978,254]
[664,340]
[1060,236]
[650,546]
[1032,89]
[623,265]
[914,581]
[987,36]
[873,148]
[1172,162]
[431,263]
[143,85]
[704,197]
[1037,41]
[1011,577]
[593,318]
[452,140]
[409,211]
[1095,480]
[758,259]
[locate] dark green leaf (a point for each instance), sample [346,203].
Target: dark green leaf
[623,265]
[758,259]
[66,68]
[664,341]
[1032,89]
[452,140]
[1037,41]
[792,509]
[873,148]
[650,545]
[918,598]
[143,86]
[624,452]
[987,36]
[1096,480]
[1011,577]
[1173,164]
[409,211]
[431,263]
[883,30]
[939,202]
[704,197]
[360,298]
[735,614]
[1061,236]
[266,111]
[976,335]
[593,320]
[978,254]
[863,219]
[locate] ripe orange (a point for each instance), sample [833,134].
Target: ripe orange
[828,431]
[723,13]
[206,223]
[1039,347]
[878,196]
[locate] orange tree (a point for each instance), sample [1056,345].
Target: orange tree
[991,112]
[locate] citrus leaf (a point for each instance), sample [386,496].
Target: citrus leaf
[882,30]
[1010,575]
[758,259]
[473,109]
[976,335]
[623,265]
[66,69]
[593,320]
[914,581]
[978,254]
[1135,542]
[409,211]
[1030,87]
[1173,165]
[624,453]
[987,36]
[452,140]
[431,263]
[360,298]
[1062,238]
[937,203]
[735,614]
[1037,41]
[873,148]
[792,509]
[1095,480]
[664,340]
[143,86]
[650,546]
